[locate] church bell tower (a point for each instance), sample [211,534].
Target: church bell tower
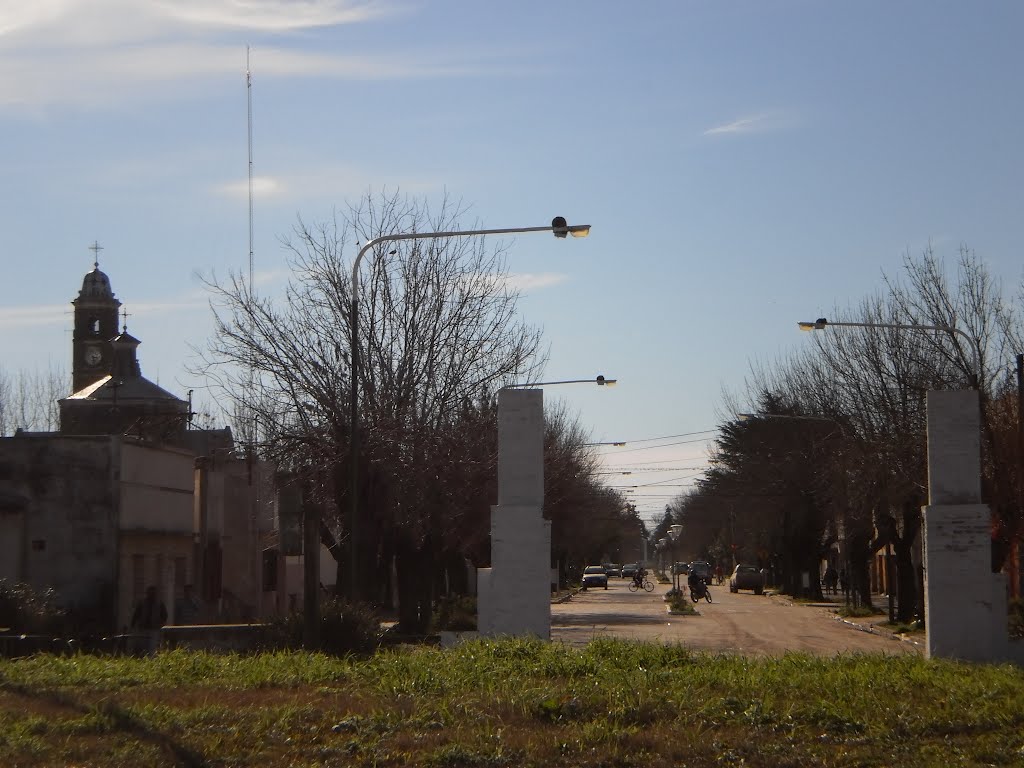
[95,325]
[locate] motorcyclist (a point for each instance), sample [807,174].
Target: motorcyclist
[697,583]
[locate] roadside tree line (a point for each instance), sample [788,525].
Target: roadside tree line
[831,452]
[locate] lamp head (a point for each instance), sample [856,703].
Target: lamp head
[603,382]
[560,228]
[817,325]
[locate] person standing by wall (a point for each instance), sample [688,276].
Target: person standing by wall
[187,608]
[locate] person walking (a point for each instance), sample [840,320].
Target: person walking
[149,617]
[831,579]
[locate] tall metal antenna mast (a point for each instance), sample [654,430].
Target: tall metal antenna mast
[248,91]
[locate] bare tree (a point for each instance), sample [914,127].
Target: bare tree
[439,332]
[29,400]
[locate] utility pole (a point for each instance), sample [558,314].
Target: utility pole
[311,569]
[1015,576]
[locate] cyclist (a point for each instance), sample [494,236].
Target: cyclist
[639,576]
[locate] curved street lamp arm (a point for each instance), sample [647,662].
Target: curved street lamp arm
[975,373]
[576,229]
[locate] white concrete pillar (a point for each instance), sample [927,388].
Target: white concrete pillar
[514,594]
[965,603]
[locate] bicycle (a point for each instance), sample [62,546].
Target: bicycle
[648,585]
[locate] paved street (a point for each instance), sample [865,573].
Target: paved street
[743,623]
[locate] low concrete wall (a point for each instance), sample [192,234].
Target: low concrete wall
[218,638]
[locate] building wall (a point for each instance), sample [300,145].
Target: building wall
[12,544]
[155,531]
[164,560]
[98,519]
[235,505]
[66,514]
[156,489]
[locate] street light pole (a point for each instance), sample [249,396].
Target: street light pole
[559,228]
[601,381]
[975,374]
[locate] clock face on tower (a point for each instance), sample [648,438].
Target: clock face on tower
[93,355]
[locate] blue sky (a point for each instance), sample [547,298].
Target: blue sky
[744,165]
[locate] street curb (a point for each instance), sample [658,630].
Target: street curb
[871,629]
[565,598]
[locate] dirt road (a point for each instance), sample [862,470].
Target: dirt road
[741,623]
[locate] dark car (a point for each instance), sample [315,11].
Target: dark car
[629,570]
[701,568]
[614,570]
[747,577]
[680,569]
[595,576]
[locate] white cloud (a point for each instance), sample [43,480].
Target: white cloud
[33,317]
[753,124]
[43,315]
[98,23]
[337,182]
[535,281]
[262,187]
[272,15]
[102,52]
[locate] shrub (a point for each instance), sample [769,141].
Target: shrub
[456,613]
[26,611]
[679,603]
[1016,618]
[345,628]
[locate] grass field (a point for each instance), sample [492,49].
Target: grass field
[509,703]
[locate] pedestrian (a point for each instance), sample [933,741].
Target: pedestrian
[831,579]
[186,609]
[149,617]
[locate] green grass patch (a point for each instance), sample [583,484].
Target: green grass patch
[903,627]
[510,703]
[858,611]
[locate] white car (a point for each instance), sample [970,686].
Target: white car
[595,576]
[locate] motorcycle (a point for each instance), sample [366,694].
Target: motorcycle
[700,589]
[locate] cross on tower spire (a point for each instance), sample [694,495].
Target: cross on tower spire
[124,315]
[95,248]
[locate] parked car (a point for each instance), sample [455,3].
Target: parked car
[747,577]
[595,576]
[629,570]
[613,570]
[680,569]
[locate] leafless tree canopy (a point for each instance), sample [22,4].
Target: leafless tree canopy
[28,400]
[438,326]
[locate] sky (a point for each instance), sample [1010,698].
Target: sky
[744,166]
